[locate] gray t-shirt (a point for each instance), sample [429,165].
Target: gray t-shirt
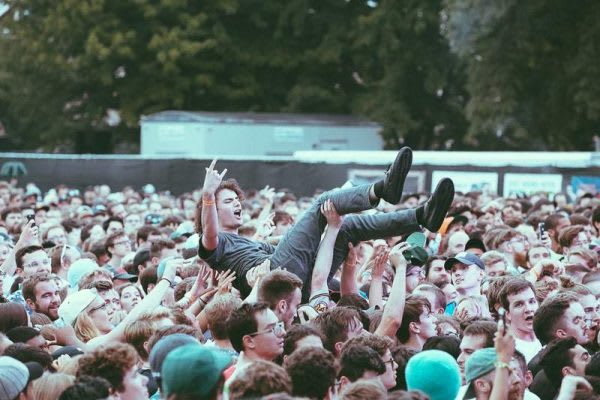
[237,253]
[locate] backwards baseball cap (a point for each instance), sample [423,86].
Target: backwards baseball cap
[193,370]
[14,376]
[164,346]
[75,303]
[464,258]
[479,363]
[433,363]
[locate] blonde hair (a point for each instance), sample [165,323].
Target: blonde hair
[51,386]
[85,330]
[493,256]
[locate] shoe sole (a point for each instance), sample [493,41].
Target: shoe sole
[398,173]
[443,195]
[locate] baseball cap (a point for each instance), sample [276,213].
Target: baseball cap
[125,276]
[84,211]
[433,363]
[464,258]
[14,376]
[75,303]
[99,209]
[78,269]
[164,346]
[193,370]
[480,363]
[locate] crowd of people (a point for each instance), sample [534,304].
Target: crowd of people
[361,292]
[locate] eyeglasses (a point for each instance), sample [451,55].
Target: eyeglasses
[122,242]
[391,361]
[37,264]
[101,307]
[278,330]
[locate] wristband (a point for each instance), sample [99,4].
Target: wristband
[501,364]
[202,301]
[208,202]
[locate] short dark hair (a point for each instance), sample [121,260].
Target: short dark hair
[312,371]
[242,322]
[557,355]
[356,360]
[110,240]
[593,367]
[29,284]
[87,387]
[147,277]
[10,210]
[229,184]
[547,317]
[333,324]
[23,251]
[297,333]
[26,353]
[445,343]
[144,232]
[413,308]
[277,285]
[107,222]
[511,287]
[482,328]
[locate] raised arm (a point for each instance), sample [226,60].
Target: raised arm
[376,287]
[325,254]
[210,220]
[150,302]
[394,308]
[348,279]
[29,236]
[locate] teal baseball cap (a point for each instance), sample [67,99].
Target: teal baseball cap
[480,363]
[193,370]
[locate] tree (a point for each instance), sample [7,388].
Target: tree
[532,79]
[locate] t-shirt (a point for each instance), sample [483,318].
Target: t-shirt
[528,349]
[237,253]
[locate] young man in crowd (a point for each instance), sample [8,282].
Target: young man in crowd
[517,297]
[118,364]
[561,316]
[42,295]
[418,323]
[337,325]
[117,245]
[220,218]
[467,271]
[563,357]
[478,335]
[282,291]
[256,333]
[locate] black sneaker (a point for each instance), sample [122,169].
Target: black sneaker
[395,176]
[438,205]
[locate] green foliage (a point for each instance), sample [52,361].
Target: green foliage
[436,74]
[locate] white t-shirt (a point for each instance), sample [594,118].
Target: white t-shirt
[528,349]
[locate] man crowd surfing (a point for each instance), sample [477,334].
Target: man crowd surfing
[360,292]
